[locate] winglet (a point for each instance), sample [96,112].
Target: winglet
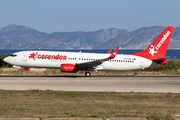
[113,55]
[109,52]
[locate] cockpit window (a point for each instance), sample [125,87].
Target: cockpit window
[14,55]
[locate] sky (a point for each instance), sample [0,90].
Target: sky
[89,15]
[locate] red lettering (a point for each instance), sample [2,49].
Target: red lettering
[43,57]
[49,57]
[61,57]
[46,56]
[57,57]
[52,57]
[33,55]
[39,56]
[65,57]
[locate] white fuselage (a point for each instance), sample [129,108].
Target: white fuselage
[54,59]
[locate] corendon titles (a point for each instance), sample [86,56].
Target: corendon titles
[162,40]
[49,57]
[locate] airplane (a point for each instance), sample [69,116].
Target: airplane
[75,61]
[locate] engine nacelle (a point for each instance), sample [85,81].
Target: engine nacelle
[69,68]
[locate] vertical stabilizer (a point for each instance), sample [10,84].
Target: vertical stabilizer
[159,47]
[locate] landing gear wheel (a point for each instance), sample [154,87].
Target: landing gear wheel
[88,74]
[20,71]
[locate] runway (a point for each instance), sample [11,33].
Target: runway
[162,84]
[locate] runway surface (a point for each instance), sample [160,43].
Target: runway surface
[94,83]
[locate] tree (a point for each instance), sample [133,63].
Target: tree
[2,63]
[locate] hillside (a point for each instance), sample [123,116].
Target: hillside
[24,37]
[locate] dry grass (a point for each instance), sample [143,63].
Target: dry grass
[36,103]
[43,71]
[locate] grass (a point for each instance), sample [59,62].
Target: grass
[57,72]
[1,71]
[36,103]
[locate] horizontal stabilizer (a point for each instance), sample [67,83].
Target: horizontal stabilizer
[162,60]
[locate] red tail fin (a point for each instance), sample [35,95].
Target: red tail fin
[159,47]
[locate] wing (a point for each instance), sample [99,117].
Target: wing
[92,64]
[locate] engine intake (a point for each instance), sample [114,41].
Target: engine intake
[69,68]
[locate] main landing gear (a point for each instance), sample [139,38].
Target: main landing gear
[88,74]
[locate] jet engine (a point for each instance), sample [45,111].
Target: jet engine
[69,68]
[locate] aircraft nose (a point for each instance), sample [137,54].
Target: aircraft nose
[6,59]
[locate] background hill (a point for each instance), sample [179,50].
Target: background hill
[24,37]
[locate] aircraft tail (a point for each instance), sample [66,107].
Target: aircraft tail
[157,50]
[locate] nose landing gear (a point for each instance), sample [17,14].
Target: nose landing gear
[20,71]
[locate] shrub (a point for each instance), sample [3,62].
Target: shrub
[2,63]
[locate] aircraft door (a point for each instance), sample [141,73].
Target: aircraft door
[141,62]
[24,56]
